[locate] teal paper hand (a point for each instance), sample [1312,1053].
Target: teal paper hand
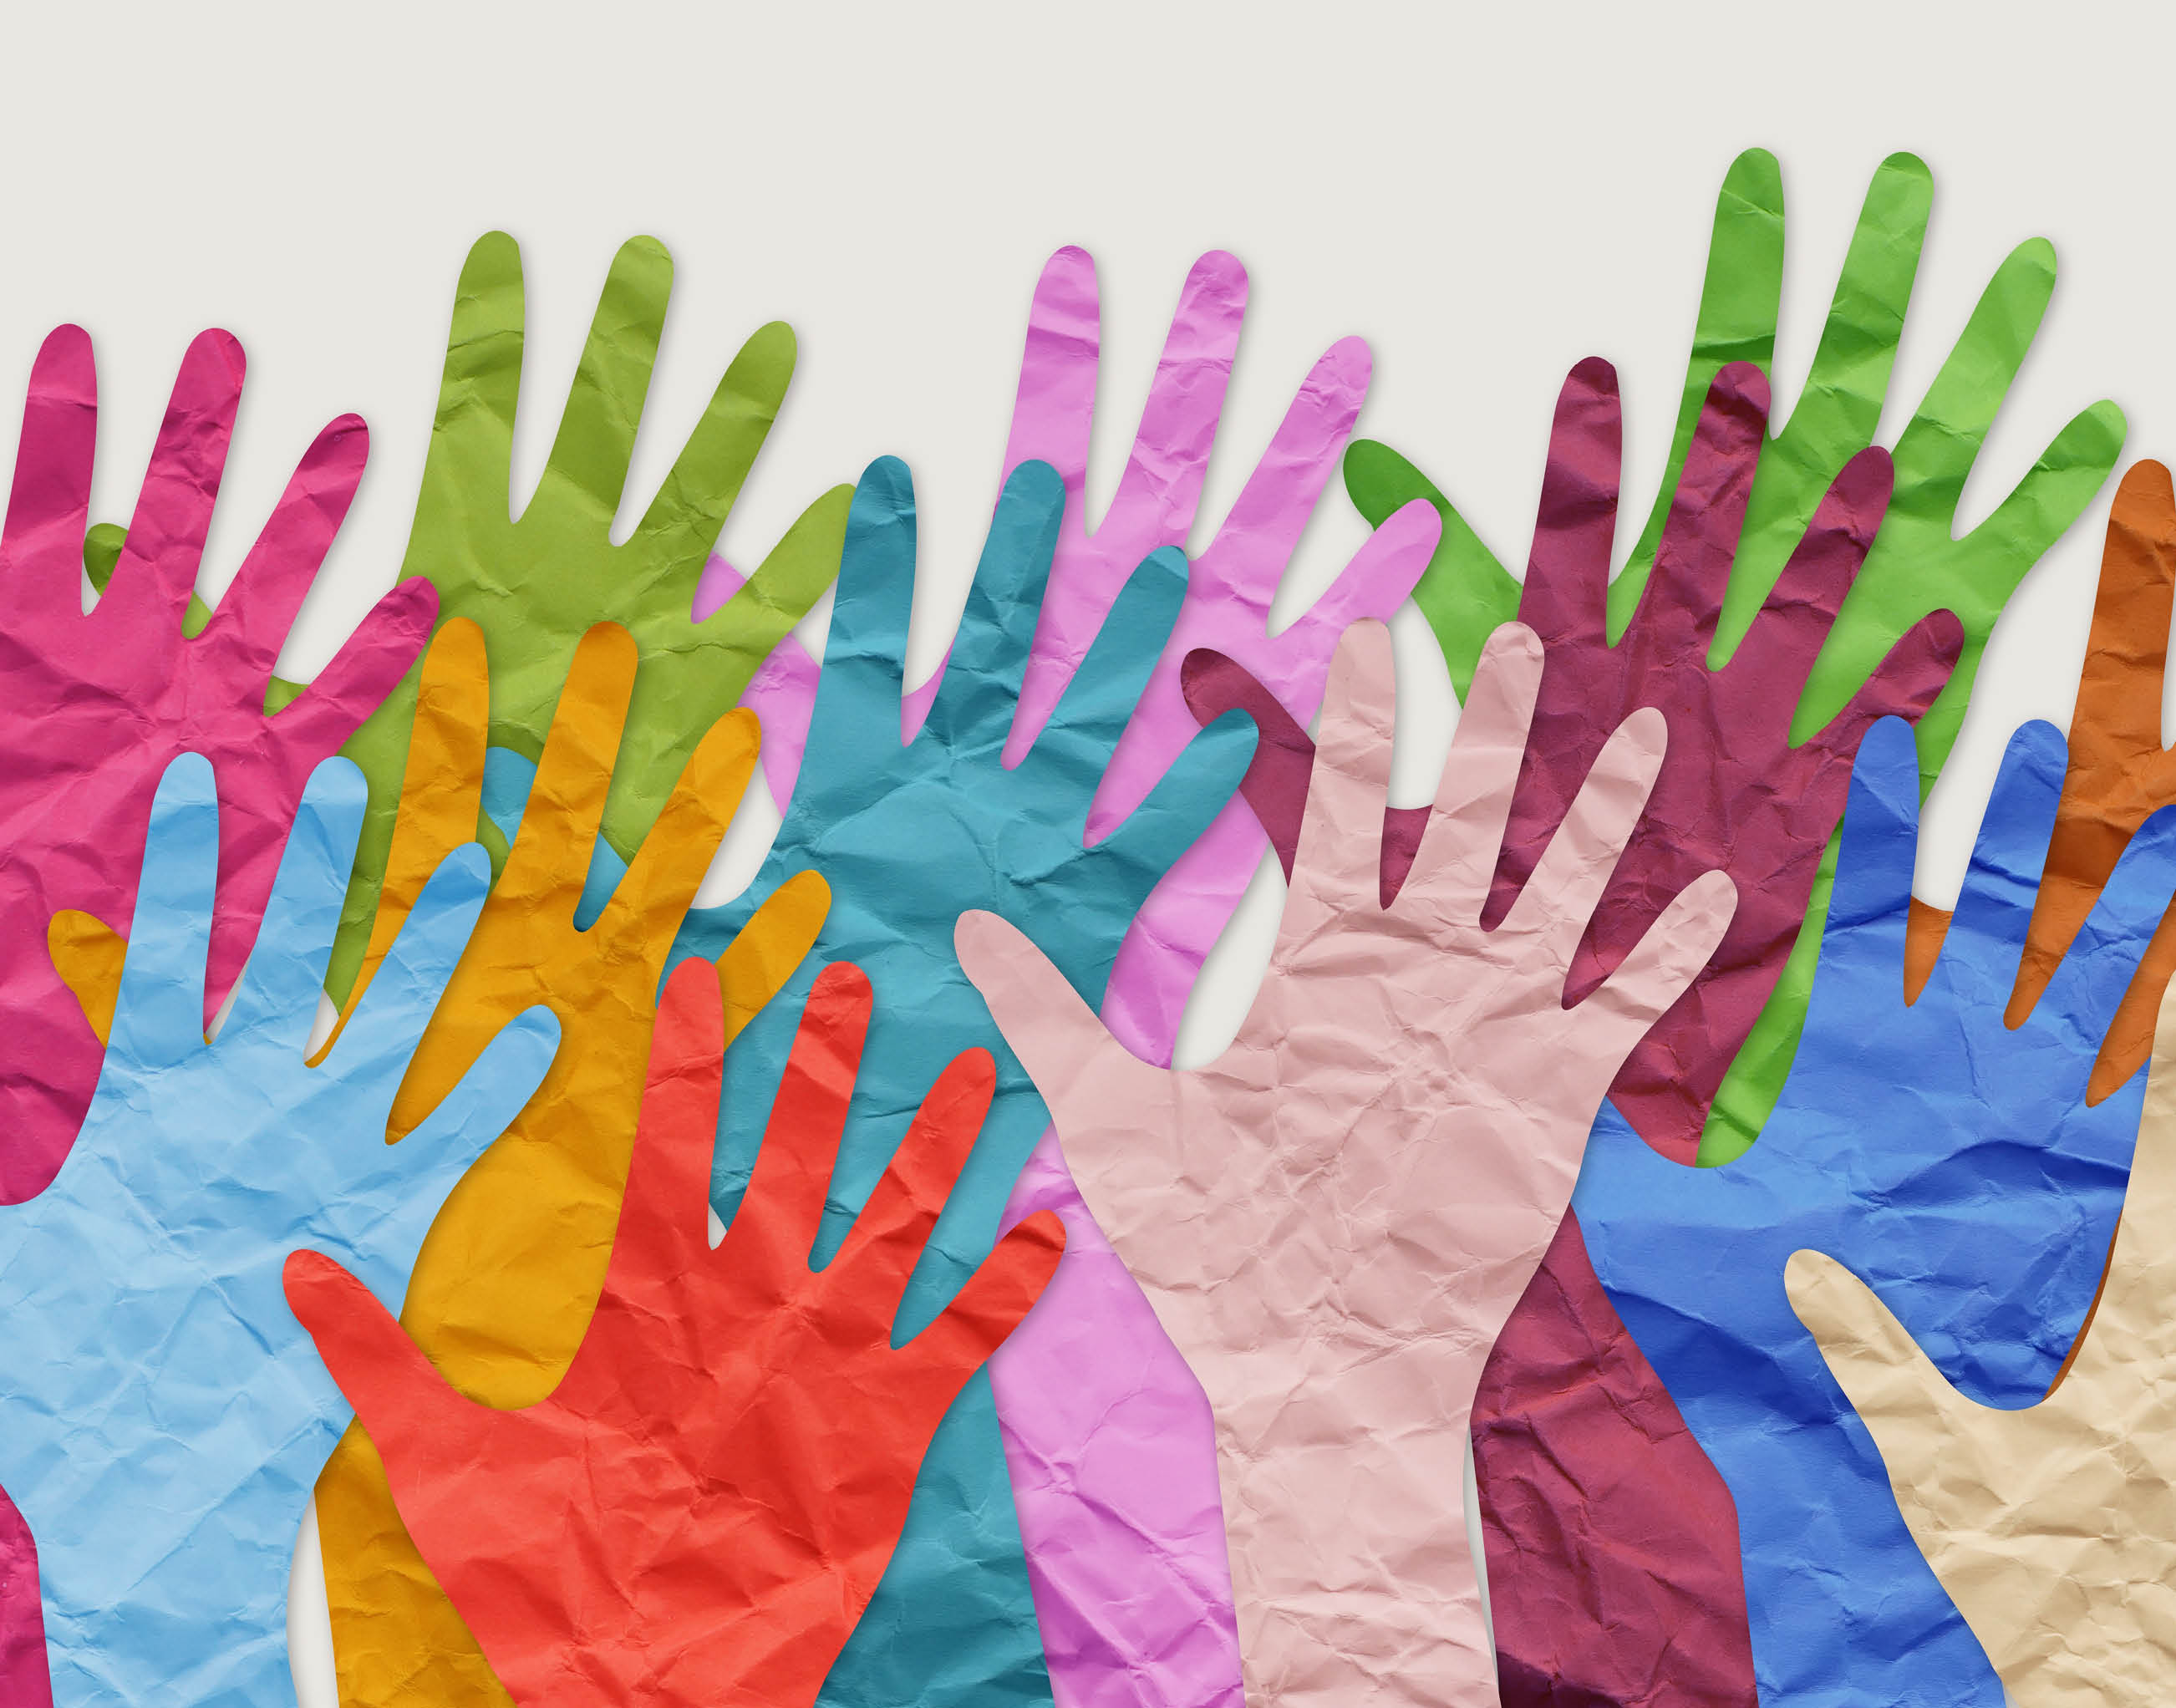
[910,833]
[164,1415]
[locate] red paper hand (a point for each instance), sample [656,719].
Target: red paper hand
[698,1515]
[94,707]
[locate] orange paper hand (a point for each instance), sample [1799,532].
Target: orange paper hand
[1333,1220]
[2119,774]
[698,1514]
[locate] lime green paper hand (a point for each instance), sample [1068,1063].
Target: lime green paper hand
[556,564]
[1918,564]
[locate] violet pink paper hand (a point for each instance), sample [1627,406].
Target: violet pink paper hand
[1334,1219]
[94,707]
[1105,1439]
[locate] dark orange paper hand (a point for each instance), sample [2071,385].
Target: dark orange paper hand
[697,1515]
[2119,774]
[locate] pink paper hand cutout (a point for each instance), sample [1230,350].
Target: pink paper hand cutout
[1612,1548]
[1732,794]
[93,707]
[1118,1509]
[1232,584]
[1334,1219]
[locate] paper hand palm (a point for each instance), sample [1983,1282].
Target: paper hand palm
[164,1416]
[1951,1160]
[908,833]
[2053,1526]
[728,1462]
[1334,1219]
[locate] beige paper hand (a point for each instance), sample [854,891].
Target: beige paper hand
[2053,1528]
[1333,1220]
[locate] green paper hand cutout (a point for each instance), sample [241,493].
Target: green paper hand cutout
[1918,564]
[536,583]
[555,570]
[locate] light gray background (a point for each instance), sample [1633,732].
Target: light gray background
[1486,197]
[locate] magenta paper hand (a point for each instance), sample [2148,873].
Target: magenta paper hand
[1333,1220]
[93,708]
[1118,1509]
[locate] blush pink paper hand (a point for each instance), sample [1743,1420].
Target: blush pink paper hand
[94,707]
[1660,1552]
[1333,1220]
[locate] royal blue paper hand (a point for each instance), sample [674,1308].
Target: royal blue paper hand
[1949,1161]
[163,1416]
[911,833]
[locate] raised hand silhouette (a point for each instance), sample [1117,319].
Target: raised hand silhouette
[698,1512]
[1956,1162]
[1333,1219]
[165,1417]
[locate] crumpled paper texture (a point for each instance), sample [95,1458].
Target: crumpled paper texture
[1107,1439]
[1955,1162]
[537,582]
[1922,562]
[510,1277]
[1612,1542]
[96,706]
[506,1283]
[1332,1219]
[1734,794]
[2055,1526]
[1106,1434]
[164,1417]
[697,1512]
[910,825]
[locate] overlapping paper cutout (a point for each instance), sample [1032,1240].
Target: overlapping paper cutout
[2053,1526]
[1953,1160]
[140,1290]
[993,796]
[910,825]
[1333,1220]
[537,582]
[96,706]
[699,1511]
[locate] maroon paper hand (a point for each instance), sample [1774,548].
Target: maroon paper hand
[698,1515]
[1734,794]
[93,707]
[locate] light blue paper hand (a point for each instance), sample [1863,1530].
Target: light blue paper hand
[163,1416]
[910,828]
[1952,1161]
